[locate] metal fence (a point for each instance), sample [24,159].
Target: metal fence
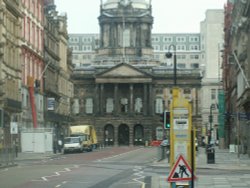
[7,156]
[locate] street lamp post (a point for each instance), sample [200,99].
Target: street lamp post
[210,122]
[169,55]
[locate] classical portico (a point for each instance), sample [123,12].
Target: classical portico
[123,92]
[123,89]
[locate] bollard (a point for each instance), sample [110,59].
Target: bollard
[159,153]
[210,156]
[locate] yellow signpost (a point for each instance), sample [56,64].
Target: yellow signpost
[181,132]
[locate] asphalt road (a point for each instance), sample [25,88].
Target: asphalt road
[117,167]
[111,167]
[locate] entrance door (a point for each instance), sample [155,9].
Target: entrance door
[123,135]
[138,135]
[109,135]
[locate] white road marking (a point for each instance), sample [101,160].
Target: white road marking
[56,174]
[139,173]
[114,156]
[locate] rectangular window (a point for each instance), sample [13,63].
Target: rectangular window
[195,65]
[213,94]
[138,105]
[28,30]
[159,106]
[33,33]
[76,106]
[126,38]
[89,106]
[110,105]
[181,65]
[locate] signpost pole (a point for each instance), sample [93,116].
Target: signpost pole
[192,157]
[181,139]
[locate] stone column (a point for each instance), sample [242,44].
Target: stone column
[97,106]
[145,99]
[101,99]
[116,135]
[151,100]
[131,98]
[131,135]
[116,99]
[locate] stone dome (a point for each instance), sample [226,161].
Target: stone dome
[138,4]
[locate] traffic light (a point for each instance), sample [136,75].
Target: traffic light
[165,119]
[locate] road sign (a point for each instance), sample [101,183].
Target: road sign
[13,128]
[181,124]
[181,171]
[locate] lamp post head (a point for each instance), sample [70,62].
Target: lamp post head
[168,55]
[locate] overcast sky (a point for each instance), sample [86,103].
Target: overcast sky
[170,16]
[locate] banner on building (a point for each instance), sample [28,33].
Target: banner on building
[50,103]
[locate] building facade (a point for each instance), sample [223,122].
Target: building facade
[188,51]
[10,69]
[124,89]
[58,88]
[32,64]
[236,74]
[35,66]
[212,40]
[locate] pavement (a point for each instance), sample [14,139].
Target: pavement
[236,168]
[12,160]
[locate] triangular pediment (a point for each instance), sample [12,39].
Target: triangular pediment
[123,70]
[123,73]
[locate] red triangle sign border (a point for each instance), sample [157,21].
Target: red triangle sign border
[172,179]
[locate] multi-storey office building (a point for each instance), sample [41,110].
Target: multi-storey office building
[84,47]
[187,48]
[211,45]
[124,89]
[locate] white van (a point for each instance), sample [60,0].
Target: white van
[72,144]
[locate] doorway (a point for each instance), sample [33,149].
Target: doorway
[123,135]
[138,135]
[109,135]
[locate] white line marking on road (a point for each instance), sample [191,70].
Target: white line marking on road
[114,156]
[139,174]
[56,174]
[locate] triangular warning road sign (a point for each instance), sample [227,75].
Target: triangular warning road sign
[181,171]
